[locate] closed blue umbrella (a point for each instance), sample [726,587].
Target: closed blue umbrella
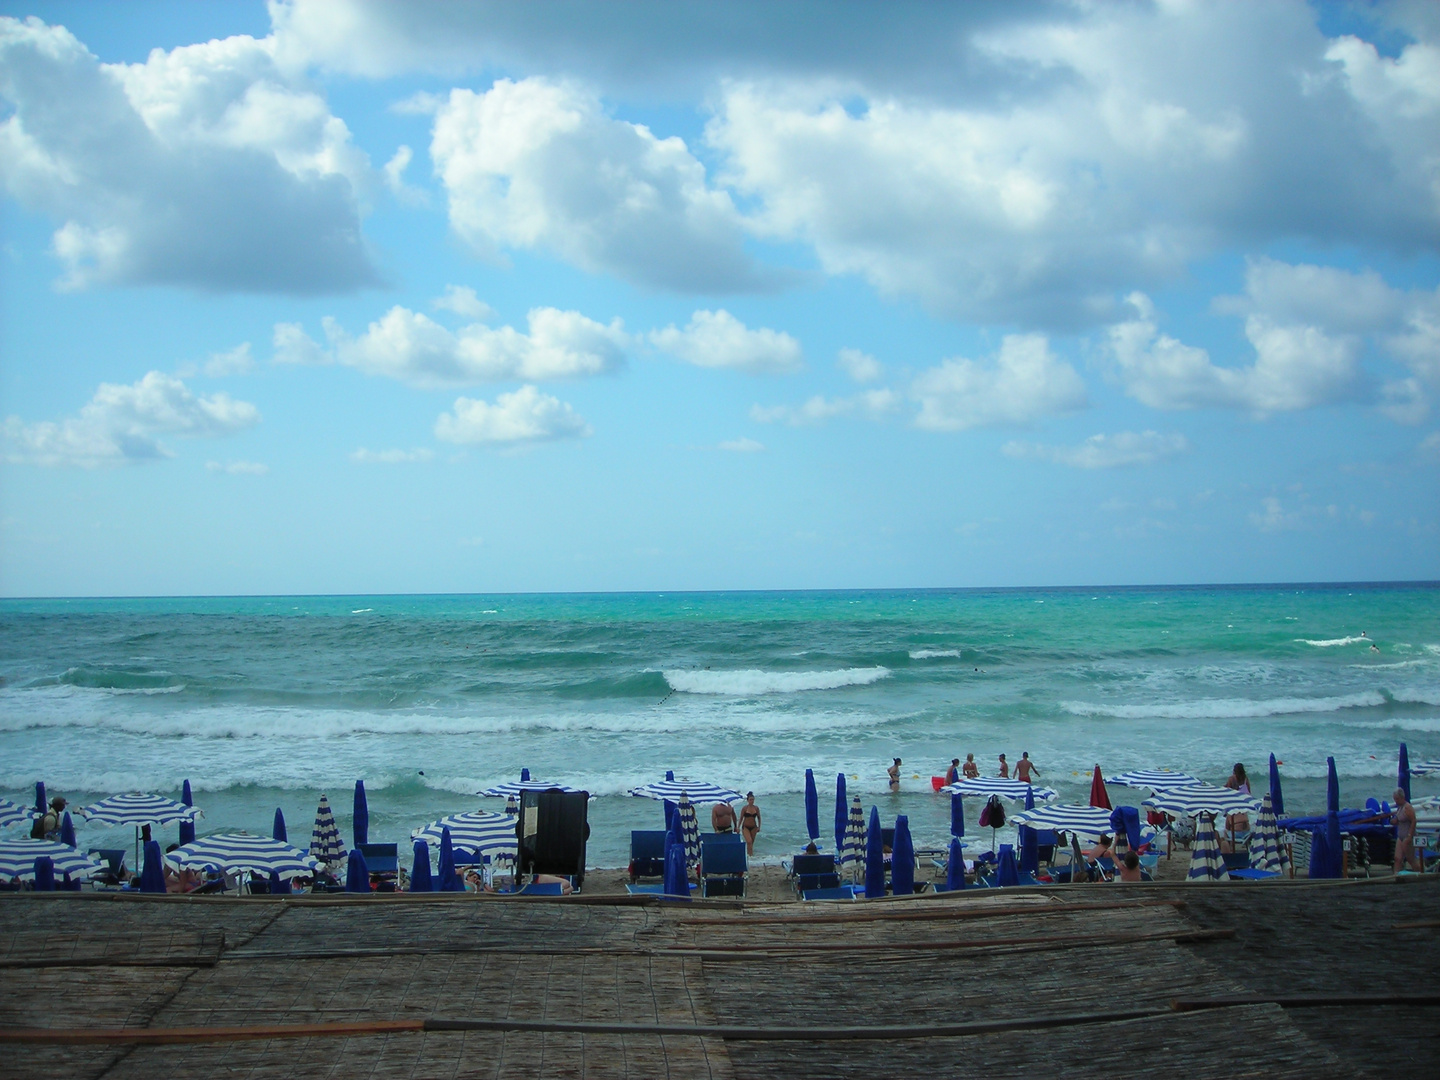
[842,815]
[874,858]
[360,822]
[812,806]
[670,805]
[677,881]
[449,880]
[420,879]
[1006,871]
[1320,861]
[902,859]
[67,831]
[40,796]
[1404,777]
[279,830]
[524,776]
[957,814]
[955,871]
[1332,821]
[152,877]
[44,874]
[279,886]
[1276,800]
[187,828]
[1332,786]
[1029,843]
[357,874]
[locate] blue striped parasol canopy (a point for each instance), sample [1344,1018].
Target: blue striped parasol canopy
[1154,779]
[238,852]
[476,832]
[513,788]
[1203,799]
[325,842]
[689,832]
[1206,863]
[13,813]
[696,790]
[1087,821]
[1425,768]
[1266,851]
[853,854]
[137,808]
[985,786]
[17,859]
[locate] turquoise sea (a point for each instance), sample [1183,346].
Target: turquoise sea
[268,701]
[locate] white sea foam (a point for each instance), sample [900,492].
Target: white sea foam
[1402,723]
[1332,642]
[933,654]
[1225,708]
[361,610]
[750,682]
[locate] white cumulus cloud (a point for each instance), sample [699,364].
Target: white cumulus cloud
[238,468]
[862,367]
[524,416]
[743,445]
[1105,451]
[1024,383]
[363,456]
[871,404]
[461,299]
[124,424]
[717,339]
[236,361]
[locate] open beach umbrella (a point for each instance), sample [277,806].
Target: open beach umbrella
[1203,799]
[277,831]
[17,859]
[874,858]
[12,813]
[44,874]
[449,880]
[476,831]
[957,814]
[671,789]
[357,874]
[902,859]
[67,831]
[187,828]
[1277,800]
[1006,870]
[1154,779]
[1087,821]
[1266,851]
[842,816]
[152,877]
[955,868]
[812,806]
[512,788]
[242,852]
[689,831]
[854,853]
[1404,774]
[1205,861]
[420,879]
[1029,843]
[1098,795]
[325,842]
[360,819]
[985,786]
[137,808]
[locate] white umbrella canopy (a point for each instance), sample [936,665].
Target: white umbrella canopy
[986,786]
[477,831]
[1205,861]
[1203,799]
[17,859]
[137,808]
[238,852]
[696,790]
[513,788]
[1089,821]
[1154,779]
[13,813]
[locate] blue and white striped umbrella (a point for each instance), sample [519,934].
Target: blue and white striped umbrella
[697,790]
[325,842]
[475,831]
[1203,799]
[853,854]
[1425,768]
[1067,817]
[137,808]
[1205,861]
[985,786]
[242,852]
[689,832]
[17,859]
[13,813]
[1154,779]
[1266,851]
[517,787]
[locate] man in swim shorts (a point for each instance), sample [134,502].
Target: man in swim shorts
[1024,767]
[722,817]
[1405,857]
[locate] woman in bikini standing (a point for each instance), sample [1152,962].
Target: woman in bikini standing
[749,822]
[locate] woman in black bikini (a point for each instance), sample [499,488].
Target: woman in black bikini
[749,822]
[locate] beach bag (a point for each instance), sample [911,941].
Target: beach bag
[993,816]
[37,830]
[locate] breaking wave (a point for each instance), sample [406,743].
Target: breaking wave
[1226,708]
[751,682]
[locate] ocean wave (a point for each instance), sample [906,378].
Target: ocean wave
[1226,708]
[750,682]
[934,654]
[1329,643]
[1413,696]
[1401,723]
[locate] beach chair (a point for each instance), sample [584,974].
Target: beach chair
[541,888]
[723,867]
[114,870]
[647,853]
[815,872]
[840,892]
[382,859]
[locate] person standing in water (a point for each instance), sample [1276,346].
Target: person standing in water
[749,822]
[1024,767]
[971,770]
[894,772]
[952,774]
[1004,768]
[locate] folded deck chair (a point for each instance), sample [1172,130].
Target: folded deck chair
[723,867]
[380,858]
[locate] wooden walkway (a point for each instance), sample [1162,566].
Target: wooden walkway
[1208,981]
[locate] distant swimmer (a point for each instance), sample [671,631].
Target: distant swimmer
[1374,648]
[894,772]
[1024,767]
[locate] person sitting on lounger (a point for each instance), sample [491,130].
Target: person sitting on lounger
[551,879]
[1130,868]
[1103,848]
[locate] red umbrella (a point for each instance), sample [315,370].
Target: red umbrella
[1098,795]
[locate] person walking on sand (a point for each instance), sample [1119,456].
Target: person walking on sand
[722,817]
[749,822]
[971,770]
[1004,768]
[894,772]
[1405,857]
[1024,767]
[952,774]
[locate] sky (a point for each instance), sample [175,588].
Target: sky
[340,296]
